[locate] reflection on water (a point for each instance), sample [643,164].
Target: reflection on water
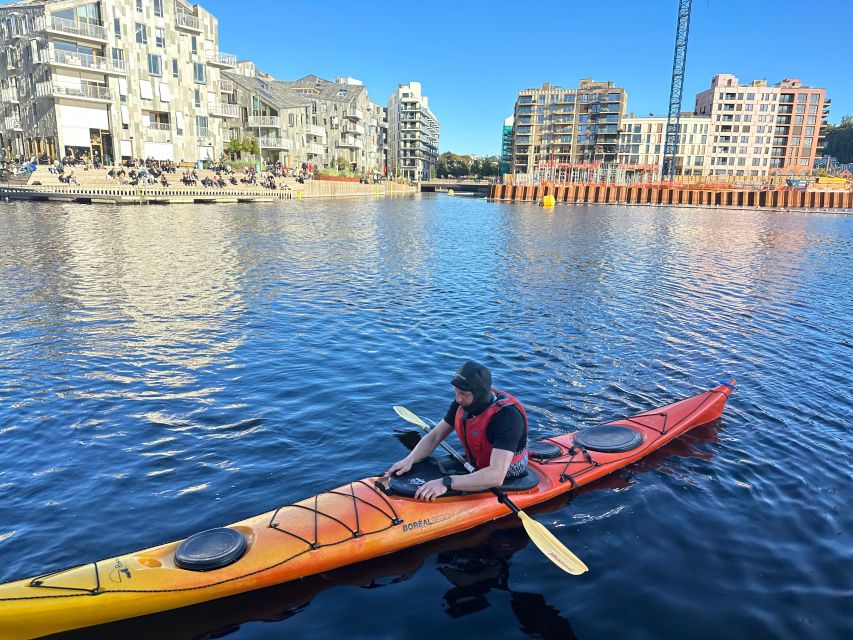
[164,370]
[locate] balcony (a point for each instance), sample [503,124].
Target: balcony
[223,110]
[187,22]
[83,91]
[315,149]
[13,123]
[349,143]
[355,114]
[9,95]
[275,143]
[354,129]
[90,31]
[74,60]
[157,131]
[315,130]
[272,122]
[221,60]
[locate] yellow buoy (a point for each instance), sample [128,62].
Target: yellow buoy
[548,201]
[450,192]
[299,195]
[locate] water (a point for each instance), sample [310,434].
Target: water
[164,370]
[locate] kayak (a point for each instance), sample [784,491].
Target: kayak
[355,522]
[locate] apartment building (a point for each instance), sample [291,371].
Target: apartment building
[344,122]
[760,130]
[113,79]
[642,141]
[413,133]
[558,126]
[277,119]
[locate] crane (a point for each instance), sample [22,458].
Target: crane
[673,118]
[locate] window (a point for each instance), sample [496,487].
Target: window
[802,97]
[155,64]
[801,108]
[141,33]
[175,68]
[158,8]
[118,54]
[117,28]
[160,38]
[815,97]
[812,108]
[201,125]
[198,72]
[197,98]
[194,44]
[138,6]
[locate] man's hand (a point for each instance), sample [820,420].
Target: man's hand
[431,490]
[400,467]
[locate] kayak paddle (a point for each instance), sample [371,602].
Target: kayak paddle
[553,549]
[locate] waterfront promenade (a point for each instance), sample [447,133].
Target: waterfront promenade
[94,187]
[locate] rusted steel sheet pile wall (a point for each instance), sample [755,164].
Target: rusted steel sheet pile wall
[579,193]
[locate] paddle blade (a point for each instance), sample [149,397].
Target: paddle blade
[408,416]
[553,549]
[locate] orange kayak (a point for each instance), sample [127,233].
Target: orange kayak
[352,523]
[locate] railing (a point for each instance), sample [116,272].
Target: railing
[223,109]
[202,132]
[186,21]
[84,61]
[218,58]
[315,149]
[157,131]
[157,126]
[357,129]
[82,91]
[355,114]
[12,122]
[315,130]
[275,143]
[9,95]
[226,86]
[350,143]
[90,29]
[265,121]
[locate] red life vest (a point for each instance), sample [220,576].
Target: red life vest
[472,432]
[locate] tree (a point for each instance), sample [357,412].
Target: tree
[341,163]
[250,145]
[234,147]
[839,140]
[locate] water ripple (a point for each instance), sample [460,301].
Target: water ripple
[167,370]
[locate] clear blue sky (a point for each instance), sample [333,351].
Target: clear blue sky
[472,56]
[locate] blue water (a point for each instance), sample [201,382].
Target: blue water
[164,370]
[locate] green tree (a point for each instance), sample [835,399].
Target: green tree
[234,147]
[839,140]
[341,163]
[250,145]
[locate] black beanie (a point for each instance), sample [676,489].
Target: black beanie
[474,377]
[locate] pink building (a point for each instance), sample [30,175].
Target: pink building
[759,130]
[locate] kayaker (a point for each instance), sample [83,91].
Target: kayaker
[492,426]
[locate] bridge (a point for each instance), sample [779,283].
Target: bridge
[459,187]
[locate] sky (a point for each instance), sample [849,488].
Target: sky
[472,57]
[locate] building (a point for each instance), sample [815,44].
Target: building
[274,118]
[413,134]
[350,128]
[642,141]
[761,130]
[114,79]
[506,147]
[555,126]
